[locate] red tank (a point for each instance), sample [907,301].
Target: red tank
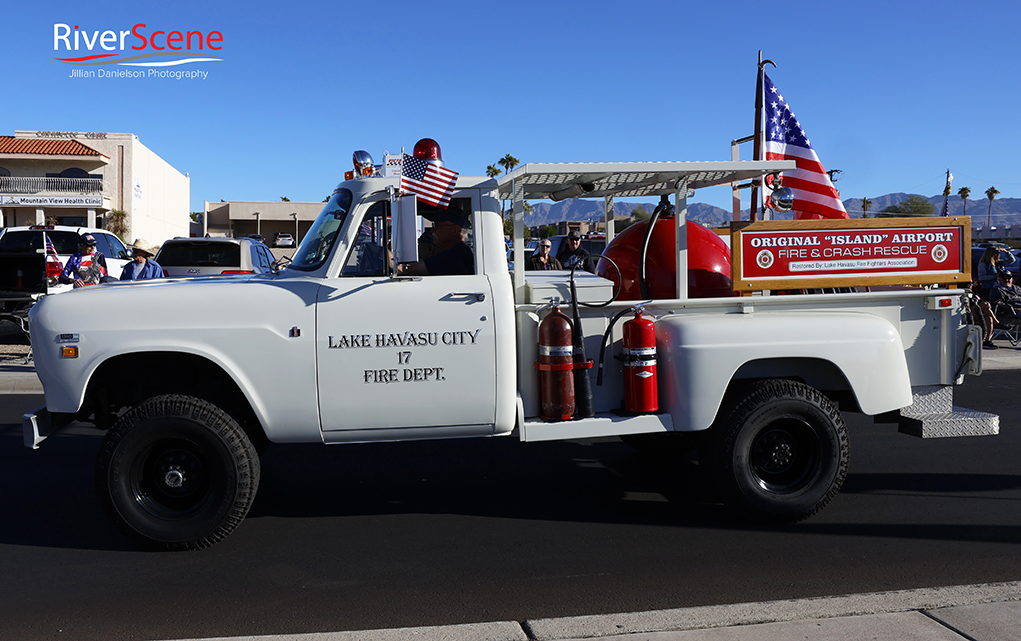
[708,261]
[640,384]
[556,367]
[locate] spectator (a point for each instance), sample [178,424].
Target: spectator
[541,260]
[571,253]
[993,259]
[1006,296]
[143,267]
[87,266]
[982,310]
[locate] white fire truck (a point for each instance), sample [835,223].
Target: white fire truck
[342,347]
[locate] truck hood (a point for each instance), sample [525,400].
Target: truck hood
[175,305]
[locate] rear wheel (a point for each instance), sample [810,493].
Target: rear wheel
[177,473]
[779,452]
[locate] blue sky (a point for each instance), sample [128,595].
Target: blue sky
[891,93]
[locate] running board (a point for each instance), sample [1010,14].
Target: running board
[605,424]
[932,414]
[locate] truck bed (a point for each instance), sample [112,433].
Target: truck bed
[705,343]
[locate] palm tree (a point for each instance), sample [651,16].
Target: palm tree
[508,163]
[964,192]
[492,171]
[865,204]
[990,194]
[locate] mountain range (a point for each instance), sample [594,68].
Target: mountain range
[1005,211]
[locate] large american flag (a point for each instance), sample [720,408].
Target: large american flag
[432,183]
[814,194]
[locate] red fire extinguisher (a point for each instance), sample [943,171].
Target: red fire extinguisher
[640,395]
[19,280]
[556,367]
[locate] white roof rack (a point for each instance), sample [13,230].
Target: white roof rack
[558,181]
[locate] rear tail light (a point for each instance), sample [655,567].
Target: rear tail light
[54,268]
[237,271]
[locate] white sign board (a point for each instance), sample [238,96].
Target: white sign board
[53,201]
[392,165]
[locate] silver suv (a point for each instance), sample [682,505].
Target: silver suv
[214,257]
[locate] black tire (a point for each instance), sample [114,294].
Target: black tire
[177,473]
[778,451]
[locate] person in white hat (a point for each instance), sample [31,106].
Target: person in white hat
[143,266]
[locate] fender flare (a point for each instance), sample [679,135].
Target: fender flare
[700,355]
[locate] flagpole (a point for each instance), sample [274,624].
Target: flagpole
[757,145]
[757,153]
[946,194]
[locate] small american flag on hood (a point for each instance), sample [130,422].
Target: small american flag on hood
[431,182]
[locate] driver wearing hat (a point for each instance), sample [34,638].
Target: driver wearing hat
[143,267]
[451,254]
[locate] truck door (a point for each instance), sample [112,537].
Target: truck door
[404,358]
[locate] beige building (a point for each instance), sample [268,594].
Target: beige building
[78,178]
[239,218]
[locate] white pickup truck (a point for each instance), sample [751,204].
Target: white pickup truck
[191,379]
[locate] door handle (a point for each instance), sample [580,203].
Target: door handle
[479,296]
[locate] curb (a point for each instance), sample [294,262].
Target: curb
[19,380]
[741,614]
[851,612]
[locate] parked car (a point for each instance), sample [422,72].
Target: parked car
[530,245]
[214,257]
[32,240]
[281,239]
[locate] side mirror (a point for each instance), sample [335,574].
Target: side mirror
[405,228]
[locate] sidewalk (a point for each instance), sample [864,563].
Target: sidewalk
[987,612]
[1004,357]
[17,376]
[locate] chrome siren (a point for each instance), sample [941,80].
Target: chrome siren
[363,163]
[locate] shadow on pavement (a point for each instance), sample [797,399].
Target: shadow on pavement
[50,500]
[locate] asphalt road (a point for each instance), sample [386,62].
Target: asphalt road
[374,536]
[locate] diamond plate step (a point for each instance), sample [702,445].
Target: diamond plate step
[957,422]
[932,414]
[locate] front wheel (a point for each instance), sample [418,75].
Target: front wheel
[177,473]
[779,452]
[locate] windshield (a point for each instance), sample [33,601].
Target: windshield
[316,245]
